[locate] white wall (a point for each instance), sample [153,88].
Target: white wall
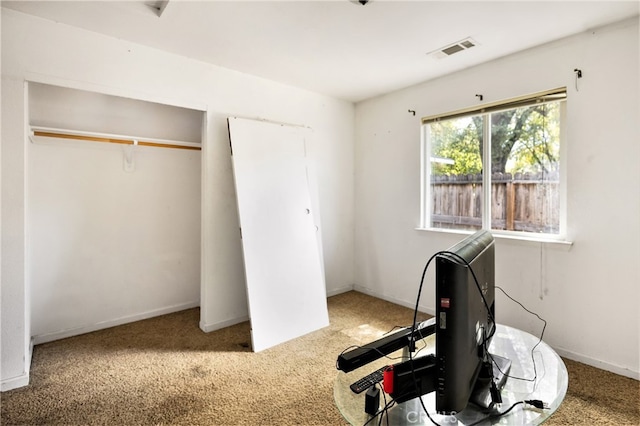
[588,292]
[108,246]
[46,52]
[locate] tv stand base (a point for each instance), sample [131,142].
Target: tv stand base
[481,395]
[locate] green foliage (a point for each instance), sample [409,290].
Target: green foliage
[453,140]
[522,140]
[538,148]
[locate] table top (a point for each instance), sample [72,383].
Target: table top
[549,386]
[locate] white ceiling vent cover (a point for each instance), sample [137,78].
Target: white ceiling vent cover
[454,48]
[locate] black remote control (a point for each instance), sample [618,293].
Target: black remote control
[369,380]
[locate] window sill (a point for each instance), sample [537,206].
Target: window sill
[500,235]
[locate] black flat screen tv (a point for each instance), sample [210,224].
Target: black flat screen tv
[465,307]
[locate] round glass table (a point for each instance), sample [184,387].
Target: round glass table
[536,374]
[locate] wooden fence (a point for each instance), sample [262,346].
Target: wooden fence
[521,202]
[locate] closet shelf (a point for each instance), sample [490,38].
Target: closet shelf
[51,132]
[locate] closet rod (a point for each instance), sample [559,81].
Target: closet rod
[111,138]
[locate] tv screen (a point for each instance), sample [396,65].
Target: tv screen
[465,290]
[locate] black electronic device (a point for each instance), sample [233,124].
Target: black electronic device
[356,358]
[367,381]
[411,378]
[465,308]
[489,384]
[462,370]
[372,401]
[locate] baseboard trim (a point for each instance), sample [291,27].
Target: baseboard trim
[15,382]
[23,379]
[602,365]
[207,328]
[410,305]
[340,290]
[50,337]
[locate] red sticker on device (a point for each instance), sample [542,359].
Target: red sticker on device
[445,302]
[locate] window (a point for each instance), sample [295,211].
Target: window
[519,190]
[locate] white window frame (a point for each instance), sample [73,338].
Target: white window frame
[486,110]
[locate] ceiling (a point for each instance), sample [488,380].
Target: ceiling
[340,48]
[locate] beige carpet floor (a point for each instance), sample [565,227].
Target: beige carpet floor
[166,371]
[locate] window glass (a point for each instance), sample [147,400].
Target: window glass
[525,147]
[456,173]
[523,175]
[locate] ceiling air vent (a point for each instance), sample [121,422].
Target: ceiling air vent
[451,49]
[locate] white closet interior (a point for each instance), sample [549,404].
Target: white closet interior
[114,227]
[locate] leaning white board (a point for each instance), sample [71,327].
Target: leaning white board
[280,239]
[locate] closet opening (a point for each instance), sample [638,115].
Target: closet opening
[113,210]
